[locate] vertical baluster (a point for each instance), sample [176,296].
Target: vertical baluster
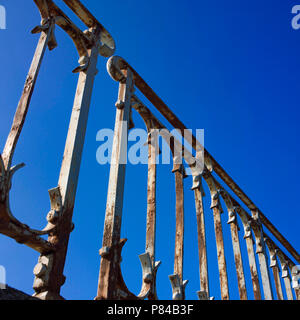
[202,251]
[151,195]
[236,245]
[178,285]
[274,267]
[285,275]
[262,256]
[217,210]
[151,205]
[25,99]
[49,282]
[111,251]
[251,255]
[178,263]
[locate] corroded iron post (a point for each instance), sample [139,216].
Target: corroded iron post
[250,250]
[285,275]
[217,210]
[46,32]
[47,283]
[232,221]
[177,282]
[202,251]
[111,250]
[262,255]
[274,266]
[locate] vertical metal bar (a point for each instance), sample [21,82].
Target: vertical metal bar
[112,225]
[179,237]
[25,99]
[221,253]
[217,210]
[151,207]
[265,277]
[238,260]
[288,287]
[151,197]
[203,267]
[285,275]
[68,178]
[253,268]
[277,281]
[262,256]
[274,267]
[235,244]
[250,250]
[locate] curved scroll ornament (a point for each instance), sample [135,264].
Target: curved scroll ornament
[83,40]
[10,225]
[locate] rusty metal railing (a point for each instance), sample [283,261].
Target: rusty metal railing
[259,234]
[89,44]
[255,224]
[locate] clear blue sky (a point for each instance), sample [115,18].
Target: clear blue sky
[228,67]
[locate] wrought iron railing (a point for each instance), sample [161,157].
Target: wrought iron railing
[260,235]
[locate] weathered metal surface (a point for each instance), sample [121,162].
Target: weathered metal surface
[179,234]
[24,102]
[209,160]
[217,210]
[253,268]
[202,251]
[245,217]
[107,286]
[9,225]
[153,150]
[288,288]
[250,250]
[82,40]
[49,270]
[284,262]
[178,285]
[107,45]
[262,256]
[151,207]
[53,278]
[111,284]
[274,267]
[149,277]
[235,244]
[151,198]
